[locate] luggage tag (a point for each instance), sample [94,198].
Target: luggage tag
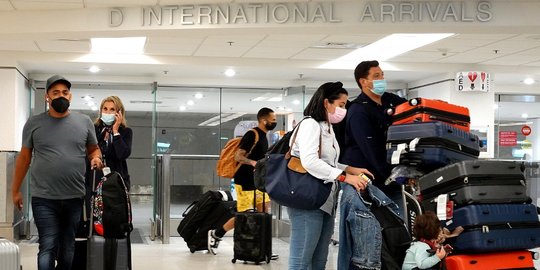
[445,208]
[106,170]
[397,153]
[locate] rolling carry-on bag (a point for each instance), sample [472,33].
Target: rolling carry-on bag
[429,110]
[253,236]
[211,211]
[471,173]
[521,259]
[10,258]
[111,217]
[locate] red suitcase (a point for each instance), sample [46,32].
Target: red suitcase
[430,110]
[491,261]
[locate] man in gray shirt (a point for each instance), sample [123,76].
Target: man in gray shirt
[55,144]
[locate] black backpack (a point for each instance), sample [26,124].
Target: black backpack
[112,208]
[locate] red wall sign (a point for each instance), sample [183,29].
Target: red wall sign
[526,130]
[507,138]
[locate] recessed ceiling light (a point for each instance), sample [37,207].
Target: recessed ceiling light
[198,96]
[524,115]
[125,45]
[91,103]
[94,69]
[182,108]
[94,108]
[296,102]
[529,81]
[87,97]
[230,72]
[190,102]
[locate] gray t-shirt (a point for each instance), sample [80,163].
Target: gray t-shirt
[59,150]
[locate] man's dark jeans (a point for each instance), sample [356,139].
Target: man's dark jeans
[56,221]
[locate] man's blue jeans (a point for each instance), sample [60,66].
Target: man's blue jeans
[311,231]
[56,221]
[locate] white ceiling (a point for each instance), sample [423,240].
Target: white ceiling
[265,57]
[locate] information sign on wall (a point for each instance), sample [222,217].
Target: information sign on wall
[477,81]
[507,138]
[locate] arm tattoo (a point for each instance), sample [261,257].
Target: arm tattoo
[241,157]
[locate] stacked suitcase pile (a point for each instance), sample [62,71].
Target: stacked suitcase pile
[486,197]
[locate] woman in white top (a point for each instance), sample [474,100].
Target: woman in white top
[311,230]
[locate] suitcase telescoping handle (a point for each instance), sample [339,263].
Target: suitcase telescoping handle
[255,201]
[91,224]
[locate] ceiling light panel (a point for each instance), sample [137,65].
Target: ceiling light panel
[385,49]
[126,45]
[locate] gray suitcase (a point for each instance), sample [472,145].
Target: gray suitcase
[116,252]
[10,258]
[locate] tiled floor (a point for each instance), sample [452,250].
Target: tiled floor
[177,256]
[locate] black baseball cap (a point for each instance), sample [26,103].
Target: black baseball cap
[57,79]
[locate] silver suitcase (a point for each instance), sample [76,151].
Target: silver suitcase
[9,255]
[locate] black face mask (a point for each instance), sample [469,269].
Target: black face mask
[270,126]
[60,105]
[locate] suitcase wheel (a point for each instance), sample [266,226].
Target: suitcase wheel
[192,250]
[233,260]
[268,258]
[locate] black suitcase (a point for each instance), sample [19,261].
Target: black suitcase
[108,253]
[253,236]
[471,173]
[430,133]
[211,211]
[467,195]
[427,157]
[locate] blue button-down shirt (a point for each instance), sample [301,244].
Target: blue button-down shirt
[365,134]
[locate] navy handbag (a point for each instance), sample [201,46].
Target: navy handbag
[289,184]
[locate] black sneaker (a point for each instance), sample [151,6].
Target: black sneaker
[213,241]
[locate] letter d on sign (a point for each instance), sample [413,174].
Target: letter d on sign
[116,17]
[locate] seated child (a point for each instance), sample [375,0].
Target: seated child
[425,252]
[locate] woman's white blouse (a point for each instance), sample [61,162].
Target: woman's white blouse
[306,147]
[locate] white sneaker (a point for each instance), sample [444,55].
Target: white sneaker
[213,241]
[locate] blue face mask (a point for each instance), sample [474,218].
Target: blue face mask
[379,87]
[108,119]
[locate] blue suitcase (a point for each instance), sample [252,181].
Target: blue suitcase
[495,227]
[438,133]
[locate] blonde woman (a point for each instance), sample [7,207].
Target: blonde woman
[114,136]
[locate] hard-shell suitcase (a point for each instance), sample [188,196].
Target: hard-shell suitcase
[10,258]
[521,259]
[435,133]
[253,236]
[493,214]
[500,237]
[108,253]
[426,157]
[472,173]
[466,195]
[429,110]
[212,210]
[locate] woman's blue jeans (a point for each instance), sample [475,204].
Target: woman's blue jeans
[56,221]
[311,231]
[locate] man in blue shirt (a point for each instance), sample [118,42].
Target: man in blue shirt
[368,118]
[364,143]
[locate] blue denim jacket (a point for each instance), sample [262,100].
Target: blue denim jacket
[360,236]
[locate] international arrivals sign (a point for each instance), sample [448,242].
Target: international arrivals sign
[305,12]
